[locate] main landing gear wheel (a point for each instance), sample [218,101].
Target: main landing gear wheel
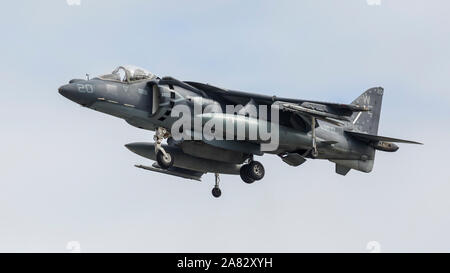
[252,172]
[216,192]
[256,170]
[165,161]
[244,174]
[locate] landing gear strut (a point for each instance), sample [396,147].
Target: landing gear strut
[164,159]
[216,192]
[314,152]
[251,172]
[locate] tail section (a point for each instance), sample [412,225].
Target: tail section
[364,123]
[365,129]
[367,122]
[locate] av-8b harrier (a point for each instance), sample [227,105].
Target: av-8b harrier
[215,130]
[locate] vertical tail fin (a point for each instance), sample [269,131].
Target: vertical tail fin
[364,122]
[367,122]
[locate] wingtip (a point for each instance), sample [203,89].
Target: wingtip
[414,142]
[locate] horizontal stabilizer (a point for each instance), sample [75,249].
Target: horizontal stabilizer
[375,138]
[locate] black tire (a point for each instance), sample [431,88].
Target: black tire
[164,162]
[216,192]
[256,170]
[244,172]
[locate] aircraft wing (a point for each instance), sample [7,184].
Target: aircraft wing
[179,172]
[239,97]
[315,110]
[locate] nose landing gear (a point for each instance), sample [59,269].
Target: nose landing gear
[165,160]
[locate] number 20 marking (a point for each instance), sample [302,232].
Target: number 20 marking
[85,88]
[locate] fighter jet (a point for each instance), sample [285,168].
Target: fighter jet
[204,138]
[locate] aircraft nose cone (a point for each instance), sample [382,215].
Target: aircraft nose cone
[67,91]
[71,92]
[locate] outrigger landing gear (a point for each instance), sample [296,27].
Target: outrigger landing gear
[314,152]
[216,192]
[164,159]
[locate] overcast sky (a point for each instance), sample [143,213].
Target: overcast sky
[65,174]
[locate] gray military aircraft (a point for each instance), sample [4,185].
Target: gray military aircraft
[345,134]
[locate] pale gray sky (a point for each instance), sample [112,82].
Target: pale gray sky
[65,174]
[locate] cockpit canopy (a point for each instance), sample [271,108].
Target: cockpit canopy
[128,73]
